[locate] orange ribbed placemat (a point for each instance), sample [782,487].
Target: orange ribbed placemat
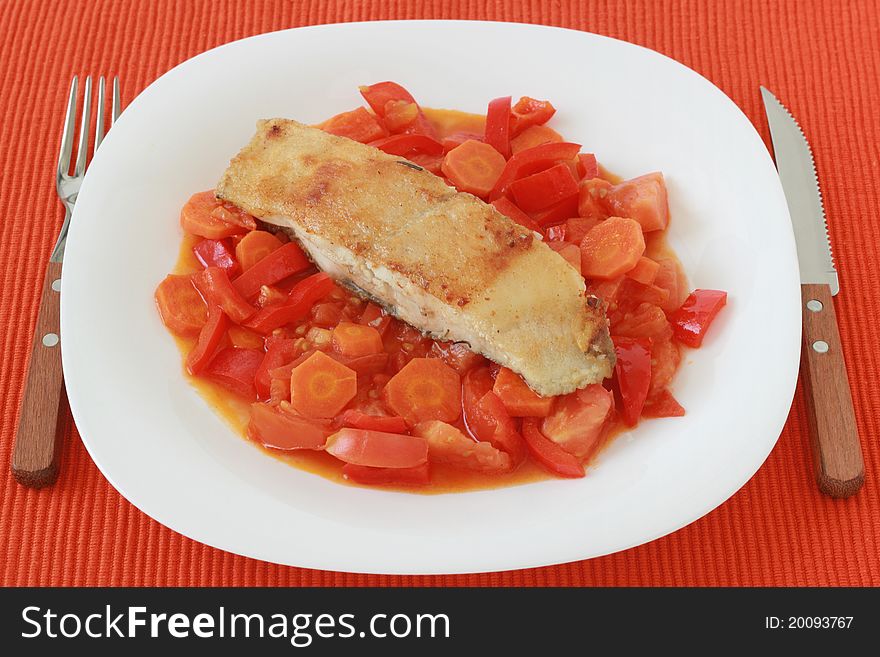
[821,58]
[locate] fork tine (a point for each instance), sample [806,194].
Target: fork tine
[117,103]
[82,151]
[99,120]
[67,133]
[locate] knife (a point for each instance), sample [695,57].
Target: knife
[837,454]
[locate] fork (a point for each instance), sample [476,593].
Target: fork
[37,441]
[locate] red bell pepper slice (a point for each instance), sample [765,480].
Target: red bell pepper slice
[528,112]
[281,263]
[541,190]
[216,253]
[215,287]
[297,305]
[458,138]
[279,351]
[662,404]
[405,144]
[565,209]
[358,420]
[364,474]
[633,371]
[691,321]
[549,454]
[498,125]
[209,339]
[234,369]
[533,160]
[509,209]
[587,166]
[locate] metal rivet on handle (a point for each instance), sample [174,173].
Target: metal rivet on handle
[815,305]
[820,346]
[56,285]
[50,339]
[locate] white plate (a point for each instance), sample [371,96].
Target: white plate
[167,452]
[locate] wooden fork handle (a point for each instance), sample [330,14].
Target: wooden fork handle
[837,454]
[35,455]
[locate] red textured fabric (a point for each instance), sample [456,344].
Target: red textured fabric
[821,58]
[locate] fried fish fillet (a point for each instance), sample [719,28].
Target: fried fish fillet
[440,260]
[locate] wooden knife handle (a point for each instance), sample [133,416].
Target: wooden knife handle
[837,453]
[35,455]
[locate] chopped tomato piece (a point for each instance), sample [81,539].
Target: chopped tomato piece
[556,233]
[358,124]
[665,358]
[363,474]
[198,217]
[587,166]
[518,398]
[358,420]
[548,453]
[534,136]
[569,252]
[276,429]
[577,421]
[642,199]
[377,449]
[446,444]
[497,427]
[374,316]
[458,138]
[279,351]
[209,340]
[577,228]
[692,320]
[498,125]
[404,145]
[612,248]
[541,190]
[255,246]
[320,387]
[590,204]
[378,95]
[239,336]
[645,321]
[645,271]
[354,340]
[181,307]
[663,404]
[399,115]
[634,292]
[234,369]
[633,370]
[608,290]
[528,112]
[532,160]
[508,208]
[326,315]
[457,355]
[473,167]
[284,261]
[670,278]
[216,253]
[297,305]
[425,389]
[215,287]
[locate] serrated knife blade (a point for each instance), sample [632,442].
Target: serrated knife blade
[797,171]
[837,454]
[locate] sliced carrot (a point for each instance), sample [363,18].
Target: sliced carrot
[210,338]
[612,248]
[358,124]
[255,246]
[320,387]
[518,398]
[534,136]
[355,340]
[425,389]
[473,167]
[200,216]
[181,307]
[645,271]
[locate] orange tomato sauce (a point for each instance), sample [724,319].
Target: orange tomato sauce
[444,479]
